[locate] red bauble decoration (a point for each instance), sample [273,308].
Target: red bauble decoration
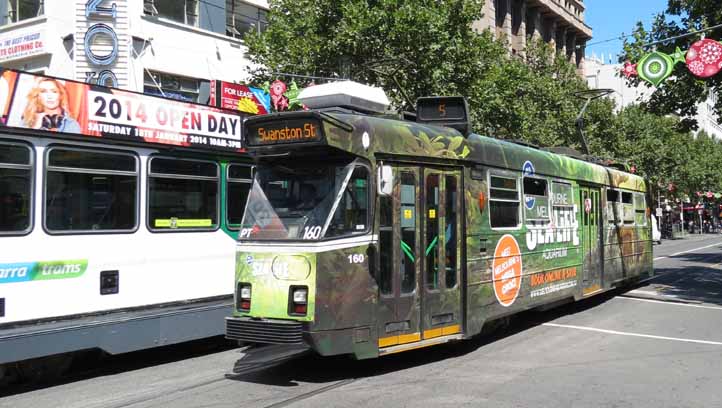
[704,58]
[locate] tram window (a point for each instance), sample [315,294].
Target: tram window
[640,209]
[408,232]
[238,185]
[627,208]
[16,173]
[536,199]
[503,202]
[432,231]
[182,194]
[90,191]
[451,232]
[613,210]
[352,213]
[386,245]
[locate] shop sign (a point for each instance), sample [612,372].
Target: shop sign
[21,45]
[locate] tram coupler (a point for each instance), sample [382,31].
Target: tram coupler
[259,357]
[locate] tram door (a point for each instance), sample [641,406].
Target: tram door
[441,294]
[418,278]
[591,231]
[399,310]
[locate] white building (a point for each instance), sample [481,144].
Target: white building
[601,75]
[170,47]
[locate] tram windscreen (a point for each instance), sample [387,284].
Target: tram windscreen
[306,201]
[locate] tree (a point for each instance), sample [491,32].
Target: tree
[429,43]
[434,50]
[682,92]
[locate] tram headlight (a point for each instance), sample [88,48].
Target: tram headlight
[298,300]
[244,296]
[300,296]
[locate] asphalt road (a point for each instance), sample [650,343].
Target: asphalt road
[658,344]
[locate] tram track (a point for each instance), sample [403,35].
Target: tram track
[311,394]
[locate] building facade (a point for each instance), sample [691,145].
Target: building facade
[165,47]
[608,75]
[558,22]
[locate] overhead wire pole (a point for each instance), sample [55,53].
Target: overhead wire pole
[589,95]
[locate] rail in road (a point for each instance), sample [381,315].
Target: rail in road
[658,344]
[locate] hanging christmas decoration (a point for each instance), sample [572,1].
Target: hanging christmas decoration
[629,69]
[704,58]
[655,67]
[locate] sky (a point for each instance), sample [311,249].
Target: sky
[610,18]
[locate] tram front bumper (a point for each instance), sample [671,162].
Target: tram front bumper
[264,331]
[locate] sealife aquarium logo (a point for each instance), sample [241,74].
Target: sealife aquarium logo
[46,270]
[565,228]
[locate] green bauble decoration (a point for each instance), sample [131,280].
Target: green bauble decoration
[655,67]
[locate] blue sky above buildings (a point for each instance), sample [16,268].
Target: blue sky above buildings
[610,18]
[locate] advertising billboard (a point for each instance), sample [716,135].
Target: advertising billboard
[227,95]
[38,102]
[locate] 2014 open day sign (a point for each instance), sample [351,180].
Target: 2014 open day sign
[91,110]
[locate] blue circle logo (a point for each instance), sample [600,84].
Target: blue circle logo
[527,169]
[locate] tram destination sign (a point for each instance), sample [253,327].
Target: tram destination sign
[69,107]
[283,131]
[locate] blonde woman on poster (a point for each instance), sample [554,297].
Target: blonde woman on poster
[47,107]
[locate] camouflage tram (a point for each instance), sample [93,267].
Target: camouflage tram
[368,234]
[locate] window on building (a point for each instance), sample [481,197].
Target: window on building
[16,180]
[182,194]
[242,17]
[182,11]
[174,86]
[19,10]
[239,184]
[89,191]
[503,202]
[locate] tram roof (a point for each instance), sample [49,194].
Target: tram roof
[395,138]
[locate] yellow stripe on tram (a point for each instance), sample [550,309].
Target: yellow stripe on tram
[414,337]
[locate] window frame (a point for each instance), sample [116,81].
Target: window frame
[369,205]
[13,12]
[507,175]
[232,27]
[137,174]
[229,180]
[547,197]
[151,8]
[32,167]
[150,174]
[616,206]
[636,196]
[625,207]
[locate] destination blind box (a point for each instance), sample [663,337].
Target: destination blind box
[449,111]
[283,130]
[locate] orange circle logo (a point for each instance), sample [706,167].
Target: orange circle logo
[506,270]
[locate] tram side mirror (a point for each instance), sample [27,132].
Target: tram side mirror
[385,180]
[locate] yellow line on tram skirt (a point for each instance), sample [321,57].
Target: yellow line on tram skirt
[413,337]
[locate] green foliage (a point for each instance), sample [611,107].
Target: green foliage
[433,50]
